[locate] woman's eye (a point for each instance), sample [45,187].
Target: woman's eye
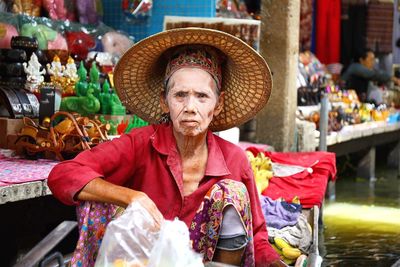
[201,95]
[180,94]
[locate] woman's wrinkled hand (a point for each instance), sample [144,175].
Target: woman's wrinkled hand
[149,205]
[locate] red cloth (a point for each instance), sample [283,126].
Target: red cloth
[328,31]
[309,187]
[147,160]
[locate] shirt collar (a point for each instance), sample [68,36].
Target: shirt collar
[164,142]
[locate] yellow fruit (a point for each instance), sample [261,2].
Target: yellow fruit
[281,243]
[288,261]
[276,249]
[262,182]
[250,155]
[291,253]
[120,263]
[266,165]
[264,174]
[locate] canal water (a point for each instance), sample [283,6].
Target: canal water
[362,226]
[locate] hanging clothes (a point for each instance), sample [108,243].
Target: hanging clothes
[380,26]
[328,31]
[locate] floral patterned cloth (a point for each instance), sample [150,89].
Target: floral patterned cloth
[15,170]
[93,218]
[206,224]
[204,230]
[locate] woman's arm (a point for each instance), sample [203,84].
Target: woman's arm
[102,191]
[113,161]
[100,174]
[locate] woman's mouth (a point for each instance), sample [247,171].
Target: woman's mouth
[189,122]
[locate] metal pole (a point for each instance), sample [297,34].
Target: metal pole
[323,123]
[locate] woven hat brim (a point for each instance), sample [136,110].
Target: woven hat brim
[246,77]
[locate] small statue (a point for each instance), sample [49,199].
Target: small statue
[94,83]
[55,69]
[34,73]
[70,69]
[71,77]
[110,102]
[81,85]
[85,102]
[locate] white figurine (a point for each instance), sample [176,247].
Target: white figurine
[70,69]
[55,69]
[34,73]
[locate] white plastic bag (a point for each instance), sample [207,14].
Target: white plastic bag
[134,240]
[129,239]
[172,249]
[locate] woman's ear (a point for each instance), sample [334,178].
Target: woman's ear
[220,104]
[163,102]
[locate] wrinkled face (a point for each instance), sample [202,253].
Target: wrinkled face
[192,101]
[368,61]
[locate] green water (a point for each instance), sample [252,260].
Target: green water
[362,226]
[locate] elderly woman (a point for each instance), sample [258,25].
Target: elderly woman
[192,81]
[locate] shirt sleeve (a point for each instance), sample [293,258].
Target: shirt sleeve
[113,160]
[264,253]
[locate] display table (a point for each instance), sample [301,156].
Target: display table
[21,178]
[353,137]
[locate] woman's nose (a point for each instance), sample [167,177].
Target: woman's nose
[190,104]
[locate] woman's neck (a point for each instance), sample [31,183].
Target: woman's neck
[189,146]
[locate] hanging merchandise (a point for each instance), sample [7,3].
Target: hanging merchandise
[89,11]
[328,31]
[60,9]
[29,7]
[137,11]
[232,9]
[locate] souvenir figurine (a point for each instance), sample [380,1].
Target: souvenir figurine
[71,76]
[85,103]
[116,106]
[94,80]
[81,85]
[34,73]
[55,69]
[70,69]
[60,9]
[110,102]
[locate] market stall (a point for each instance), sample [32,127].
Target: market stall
[58,97]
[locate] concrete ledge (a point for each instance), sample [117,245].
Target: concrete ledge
[17,192]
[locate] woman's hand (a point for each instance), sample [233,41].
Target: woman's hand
[149,205]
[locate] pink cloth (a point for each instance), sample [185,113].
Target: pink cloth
[17,170]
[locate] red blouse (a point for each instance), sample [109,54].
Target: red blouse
[147,160]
